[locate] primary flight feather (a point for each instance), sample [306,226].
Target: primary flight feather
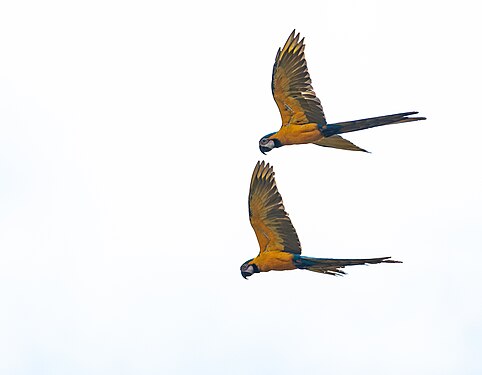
[302,116]
[280,248]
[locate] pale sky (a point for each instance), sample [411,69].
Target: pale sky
[128,135]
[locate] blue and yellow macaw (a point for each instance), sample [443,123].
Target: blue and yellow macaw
[280,248]
[303,120]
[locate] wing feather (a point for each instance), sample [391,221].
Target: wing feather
[267,215]
[291,85]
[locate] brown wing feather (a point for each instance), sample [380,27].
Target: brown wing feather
[291,85]
[267,214]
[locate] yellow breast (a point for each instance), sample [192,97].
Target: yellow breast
[274,261]
[298,134]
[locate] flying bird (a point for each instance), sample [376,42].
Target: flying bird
[303,120]
[280,248]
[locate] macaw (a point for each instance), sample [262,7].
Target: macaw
[303,120]
[280,248]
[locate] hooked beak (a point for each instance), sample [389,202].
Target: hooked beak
[247,270]
[264,150]
[267,146]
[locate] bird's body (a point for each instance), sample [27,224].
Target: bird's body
[275,261]
[292,135]
[303,119]
[280,248]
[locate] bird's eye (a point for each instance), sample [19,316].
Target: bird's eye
[264,141]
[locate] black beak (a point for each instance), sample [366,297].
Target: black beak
[245,275]
[264,150]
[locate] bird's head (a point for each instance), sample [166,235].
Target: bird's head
[267,143]
[248,268]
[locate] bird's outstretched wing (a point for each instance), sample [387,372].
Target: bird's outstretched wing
[291,85]
[267,214]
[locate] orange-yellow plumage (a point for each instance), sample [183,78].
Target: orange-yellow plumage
[274,261]
[307,133]
[279,246]
[302,117]
[277,238]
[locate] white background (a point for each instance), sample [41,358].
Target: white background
[128,134]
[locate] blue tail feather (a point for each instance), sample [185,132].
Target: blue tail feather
[334,266]
[350,126]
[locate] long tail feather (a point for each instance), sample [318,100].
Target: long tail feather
[351,126]
[334,266]
[336,141]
